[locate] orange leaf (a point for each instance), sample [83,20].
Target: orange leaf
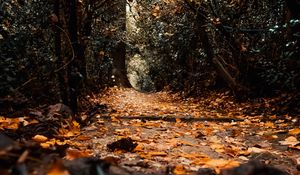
[154,153]
[138,148]
[179,169]
[39,138]
[295,131]
[269,125]
[83,138]
[58,168]
[75,153]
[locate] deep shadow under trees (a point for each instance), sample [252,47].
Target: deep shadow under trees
[61,52]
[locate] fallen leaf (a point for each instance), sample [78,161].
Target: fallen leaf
[219,164]
[296,147]
[295,131]
[138,148]
[58,168]
[45,145]
[72,154]
[156,11]
[179,169]
[154,153]
[39,138]
[256,150]
[151,154]
[115,119]
[269,125]
[214,139]
[186,143]
[217,147]
[178,120]
[291,141]
[83,138]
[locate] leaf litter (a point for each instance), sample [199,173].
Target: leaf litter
[129,132]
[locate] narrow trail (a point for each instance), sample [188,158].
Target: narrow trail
[129,102]
[187,146]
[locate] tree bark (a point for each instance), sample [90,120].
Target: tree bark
[119,66]
[237,89]
[72,68]
[60,62]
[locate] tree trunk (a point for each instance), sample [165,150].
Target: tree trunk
[237,89]
[61,74]
[119,65]
[72,68]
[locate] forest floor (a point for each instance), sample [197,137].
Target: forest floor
[157,133]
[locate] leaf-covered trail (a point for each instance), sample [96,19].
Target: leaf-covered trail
[185,147]
[129,102]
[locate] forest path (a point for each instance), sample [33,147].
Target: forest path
[130,102]
[185,147]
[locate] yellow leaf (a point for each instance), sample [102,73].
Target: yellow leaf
[75,123]
[39,138]
[295,131]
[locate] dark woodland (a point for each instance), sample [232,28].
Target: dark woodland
[107,87]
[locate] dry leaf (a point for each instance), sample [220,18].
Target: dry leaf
[214,139]
[291,141]
[217,147]
[222,163]
[186,143]
[269,125]
[39,138]
[139,148]
[219,164]
[156,11]
[151,154]
[295,131]
[255,150]
[115,119]
[296,147]
[72,154]
[154,153]
[58,168]
[45,145]
[179,169]
[83,138]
